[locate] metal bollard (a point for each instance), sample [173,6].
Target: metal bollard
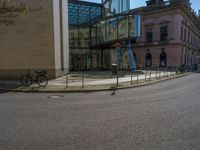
[164,74]
[150,75]
[160,74]
[131,78]
[137,77]
[146,75]
[156,73]
[117,79]
[67,81]
[167,74]
[83,84]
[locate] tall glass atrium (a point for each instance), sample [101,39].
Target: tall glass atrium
[94,29]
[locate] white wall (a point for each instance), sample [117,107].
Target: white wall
[61,41]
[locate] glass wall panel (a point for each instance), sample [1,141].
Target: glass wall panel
[94,34]
[84,15]
[111,29]
[78,59]
[84,37]
[122,27]
[124,64]
[101,29]
[125,61]
[73,13]
[106,59]
[95,13]
[73,37]
[113,56]
[137,25]
[81,16]
[131,25]
[134,25]
[94,60]
[112,7]
[83,12]
[99,59]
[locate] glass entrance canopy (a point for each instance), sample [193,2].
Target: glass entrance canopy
[83,13]
[117,28]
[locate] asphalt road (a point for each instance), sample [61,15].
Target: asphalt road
[162,116]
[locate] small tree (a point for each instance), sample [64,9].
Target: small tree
[10,10]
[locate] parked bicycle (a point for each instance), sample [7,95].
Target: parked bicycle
[40,78]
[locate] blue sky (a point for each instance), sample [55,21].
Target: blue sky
[137,3]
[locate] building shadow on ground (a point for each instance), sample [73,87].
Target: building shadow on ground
[7,87]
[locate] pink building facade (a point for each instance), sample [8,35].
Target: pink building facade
[170,35]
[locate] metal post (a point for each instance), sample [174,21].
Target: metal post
[167,73]
[117,79]
[83,79]
[159,74]
[131,78]
[67,84]
[164,72]
[170,73]
[150,76]
[146,75]
[137,77]
[156,73]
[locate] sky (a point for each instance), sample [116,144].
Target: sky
[138,3]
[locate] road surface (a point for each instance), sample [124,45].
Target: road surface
[162,116]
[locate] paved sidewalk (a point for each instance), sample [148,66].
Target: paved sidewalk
[107,78]
[94,81]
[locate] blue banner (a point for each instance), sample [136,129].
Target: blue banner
[131,57]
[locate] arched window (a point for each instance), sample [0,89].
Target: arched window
[163,59]
[148,62]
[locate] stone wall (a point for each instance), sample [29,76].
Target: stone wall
[34,42]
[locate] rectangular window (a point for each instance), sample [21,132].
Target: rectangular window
[164,33]
[149,35]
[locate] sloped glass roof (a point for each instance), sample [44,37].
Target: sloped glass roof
[83,13]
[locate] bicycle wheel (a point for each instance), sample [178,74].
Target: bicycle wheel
[42,81]
[26,81]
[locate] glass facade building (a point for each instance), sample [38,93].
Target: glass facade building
[81,16]
[113,7]
[95,28]
[116,28]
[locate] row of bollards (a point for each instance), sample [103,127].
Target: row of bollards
[166,73]
[137,80]
[148,75]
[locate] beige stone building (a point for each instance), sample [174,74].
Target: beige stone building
[38,40]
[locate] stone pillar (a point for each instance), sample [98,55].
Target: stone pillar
[61,41]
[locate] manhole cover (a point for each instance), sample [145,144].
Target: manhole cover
[55,96]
